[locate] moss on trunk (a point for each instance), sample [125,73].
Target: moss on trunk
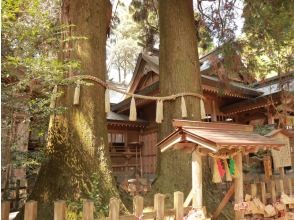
[77,139]
[180,72]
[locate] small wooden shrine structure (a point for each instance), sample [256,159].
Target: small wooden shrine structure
[215,139]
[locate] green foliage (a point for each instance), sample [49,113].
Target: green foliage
[263,129]
[269,36]
[145,13]
[123,45]
[31,160]
[31,46]
[97,195]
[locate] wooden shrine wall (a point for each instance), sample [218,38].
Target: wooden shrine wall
[149,151]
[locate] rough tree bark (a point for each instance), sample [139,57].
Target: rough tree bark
[179,72]
[77,139]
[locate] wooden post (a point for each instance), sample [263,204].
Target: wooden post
[290,190]
[253,190]
[5,209]
[263,192]
[273,191]
[188,199]
[179,205]
[30,210]
[17,197]
[138,204]
[282,172]
[196,179]
[213,115]
[281,186]
[114,209]
[59,210]
[239,186]
[271,119]
[88,210]
[224,201]
[159,206]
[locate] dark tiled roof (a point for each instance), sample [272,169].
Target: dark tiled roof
[112,116]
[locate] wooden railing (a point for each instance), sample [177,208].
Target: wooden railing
[270,190]
[158,212]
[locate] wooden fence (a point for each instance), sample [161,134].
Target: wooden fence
[270,190]
[158,212]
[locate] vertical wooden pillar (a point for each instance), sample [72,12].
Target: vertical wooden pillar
[88,210]
[263,193]
[239,186]
[5,209]
[138,204]
[179,205]
[114,209]
[196,179]
[30,210]
[159,206]
[282,172]
[289,182]
[270,119]
[59,210]
[273,191]
[213,115]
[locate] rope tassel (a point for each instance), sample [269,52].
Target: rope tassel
[159,111]
[53,97]
[183,108]
[77,95]
[133,111]
[107,101]
[202,109]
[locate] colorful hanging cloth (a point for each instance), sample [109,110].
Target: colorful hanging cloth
[232,166]
[221,169]
[216,178]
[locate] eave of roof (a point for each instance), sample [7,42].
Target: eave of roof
[253,103]
[115,117]
[273,79]
[216,136]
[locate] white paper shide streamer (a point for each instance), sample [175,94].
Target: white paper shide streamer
[133,110]
[77,94]
[202,109]
[53,97]
[107,101]
[159,111]
[183,107]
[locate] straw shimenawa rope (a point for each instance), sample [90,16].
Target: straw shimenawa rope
[162,98]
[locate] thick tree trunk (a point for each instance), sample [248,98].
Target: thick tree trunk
[77,141]
[179,72]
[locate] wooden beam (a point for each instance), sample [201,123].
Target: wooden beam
[224,201]
[263,192]
[196,179]
[239,192]
[188,199]
[213,115]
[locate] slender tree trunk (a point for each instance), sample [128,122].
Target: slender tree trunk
[180,72]
[77,148]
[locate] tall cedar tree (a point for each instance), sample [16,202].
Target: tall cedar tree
[77,140]
[180,72]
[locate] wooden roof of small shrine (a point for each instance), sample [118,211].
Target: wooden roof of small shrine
[214,137]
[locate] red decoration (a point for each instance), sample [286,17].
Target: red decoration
[221,169]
